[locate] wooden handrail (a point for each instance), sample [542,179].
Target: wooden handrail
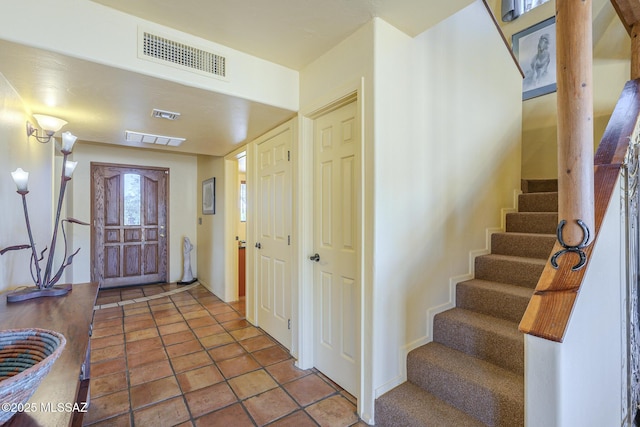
[629,13]
[504,39]
[547,315]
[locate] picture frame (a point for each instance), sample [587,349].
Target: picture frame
[535,50]
[209,196]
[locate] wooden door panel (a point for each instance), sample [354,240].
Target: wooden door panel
[130,225]
[111,262]
[132,235]
[112,236]
[131,260]
[151,258]
[112,201]
[151,195]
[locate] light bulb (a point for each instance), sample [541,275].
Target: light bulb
[68,139]
[69,167]
[21,178]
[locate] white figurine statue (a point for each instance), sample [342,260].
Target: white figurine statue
[187,275]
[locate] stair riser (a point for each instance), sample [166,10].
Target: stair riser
[524,245]
[512,272]
[493,303]
[532,222]
[474,399]
[504,351]
[538,202]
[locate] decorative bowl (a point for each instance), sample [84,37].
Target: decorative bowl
[26,357]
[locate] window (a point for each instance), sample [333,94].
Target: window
[132,199]
[512,9]
[530,4]
[243,201]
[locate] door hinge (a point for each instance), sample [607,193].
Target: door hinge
[289,240]
[288,156]
[288,323]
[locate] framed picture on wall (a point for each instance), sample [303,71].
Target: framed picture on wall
[535,49]
[209,196]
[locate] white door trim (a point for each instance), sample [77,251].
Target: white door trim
[304,213]
[231,194]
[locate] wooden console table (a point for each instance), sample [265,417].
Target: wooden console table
[72,316]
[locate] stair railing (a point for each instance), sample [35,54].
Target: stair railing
[616,167]
[547,315]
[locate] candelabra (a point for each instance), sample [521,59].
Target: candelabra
[45,279]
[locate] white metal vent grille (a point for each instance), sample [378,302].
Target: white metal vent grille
[163,114]
[131,136]
[181,54]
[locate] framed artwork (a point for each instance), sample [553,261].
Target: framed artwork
[535,49]
[209,196]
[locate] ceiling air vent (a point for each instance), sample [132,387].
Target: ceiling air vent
[131,136]
[162,114]
[163,49]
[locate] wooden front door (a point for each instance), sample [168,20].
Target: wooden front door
[129,212]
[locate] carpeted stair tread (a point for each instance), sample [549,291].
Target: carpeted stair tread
[492,394]
[514,270]
[539,185]
[532,222]
[538,202]
[486,337]
[410,406]
[529,245]
[497,299]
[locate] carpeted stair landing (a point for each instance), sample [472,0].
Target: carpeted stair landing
[472,372]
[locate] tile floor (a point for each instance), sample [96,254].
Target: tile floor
[164,355]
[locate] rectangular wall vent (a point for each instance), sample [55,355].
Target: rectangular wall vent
[163,49]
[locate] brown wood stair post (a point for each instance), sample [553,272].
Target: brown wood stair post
[575,122]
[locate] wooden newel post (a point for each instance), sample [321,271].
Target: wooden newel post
[635,52]
[575,122]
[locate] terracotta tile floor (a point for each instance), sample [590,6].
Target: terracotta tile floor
[164,355]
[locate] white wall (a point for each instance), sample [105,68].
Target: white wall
[211,232]
[183,195]
[447,159]
[579,382]
[442,124]
[37,159]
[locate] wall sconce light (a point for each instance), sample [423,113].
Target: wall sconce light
[49,126]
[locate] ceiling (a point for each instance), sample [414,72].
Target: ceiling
[101,102]
[288,32]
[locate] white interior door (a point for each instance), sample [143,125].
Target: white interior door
[336,278]
[273,237]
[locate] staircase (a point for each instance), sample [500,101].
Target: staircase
[472,373]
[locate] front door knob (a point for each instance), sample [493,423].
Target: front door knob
[315,257]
